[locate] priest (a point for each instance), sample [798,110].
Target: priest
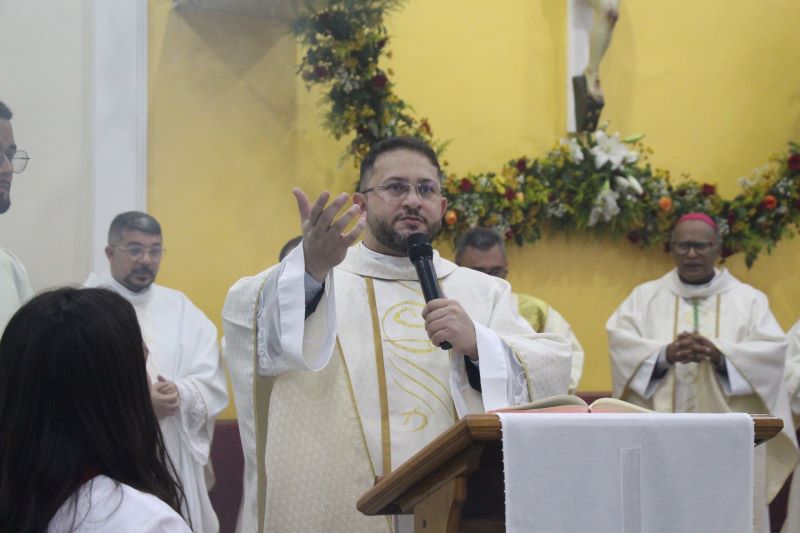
[15,288]
[700,340]
[359,382]
[188,386]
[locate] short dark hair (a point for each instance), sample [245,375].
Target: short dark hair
[132,221]
[5,112]
[289,246]
[74,396]
[480,239]
[396,143]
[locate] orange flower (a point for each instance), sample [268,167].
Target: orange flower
[665,204]
[770,202]
[450,217]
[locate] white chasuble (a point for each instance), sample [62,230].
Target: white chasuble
[15,289]
[737,319]
[359,388]
[182,344]
[792,378]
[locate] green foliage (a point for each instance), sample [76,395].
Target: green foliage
[594,183]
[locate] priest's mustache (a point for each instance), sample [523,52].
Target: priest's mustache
[407,212]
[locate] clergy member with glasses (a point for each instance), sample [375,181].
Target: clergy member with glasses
[15,289]
[188,386]
[352,350]
[698,340]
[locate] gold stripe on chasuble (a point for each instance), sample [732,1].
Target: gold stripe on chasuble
[386,444]
[675,319]
[262,392]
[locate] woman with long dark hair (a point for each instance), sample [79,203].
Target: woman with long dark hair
[80,446]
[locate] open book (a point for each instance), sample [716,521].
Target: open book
[565,403]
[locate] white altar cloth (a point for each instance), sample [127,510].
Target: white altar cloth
[628,473]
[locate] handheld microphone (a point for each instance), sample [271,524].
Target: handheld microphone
[420,252]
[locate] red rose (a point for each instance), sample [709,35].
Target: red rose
[466,185]
[509,234]
[708,189]
[522,165]
[794,162]
[769,202]
[510,193]
[379,81]
[727,251]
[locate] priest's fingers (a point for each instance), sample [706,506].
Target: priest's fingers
[325,220]
[303,203]
[351,236]
[433,305]
[446,320]
[316,210]
[342,222]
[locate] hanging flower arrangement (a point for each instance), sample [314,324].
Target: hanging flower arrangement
[596,183]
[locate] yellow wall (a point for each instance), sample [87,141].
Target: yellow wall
[712,84]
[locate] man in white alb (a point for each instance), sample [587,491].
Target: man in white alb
[700,340]
[360,384]
[188,384]
[483,250]
[792,378]
[15,288]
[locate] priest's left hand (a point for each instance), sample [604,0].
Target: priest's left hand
[446,320]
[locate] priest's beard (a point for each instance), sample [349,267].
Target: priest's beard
[5,203]
[385,233]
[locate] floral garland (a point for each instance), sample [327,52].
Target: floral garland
[595,183]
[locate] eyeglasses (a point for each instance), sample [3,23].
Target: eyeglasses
[396,190]
[700,247]
[136,251]
[19,159]
[497,272]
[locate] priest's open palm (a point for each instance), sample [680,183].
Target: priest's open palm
[324,242]
[446,320]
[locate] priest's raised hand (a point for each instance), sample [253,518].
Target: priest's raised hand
[324,242]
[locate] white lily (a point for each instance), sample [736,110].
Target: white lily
[609,149]
[605,206]
[629,183]
[575,150]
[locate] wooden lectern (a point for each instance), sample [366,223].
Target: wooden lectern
[455,484]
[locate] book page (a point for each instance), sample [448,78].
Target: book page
[613,405]
[561,403]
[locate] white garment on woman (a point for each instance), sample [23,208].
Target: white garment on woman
[106,505]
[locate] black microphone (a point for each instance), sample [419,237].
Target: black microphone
[420,252]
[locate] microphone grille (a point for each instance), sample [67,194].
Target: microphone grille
[419,246]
